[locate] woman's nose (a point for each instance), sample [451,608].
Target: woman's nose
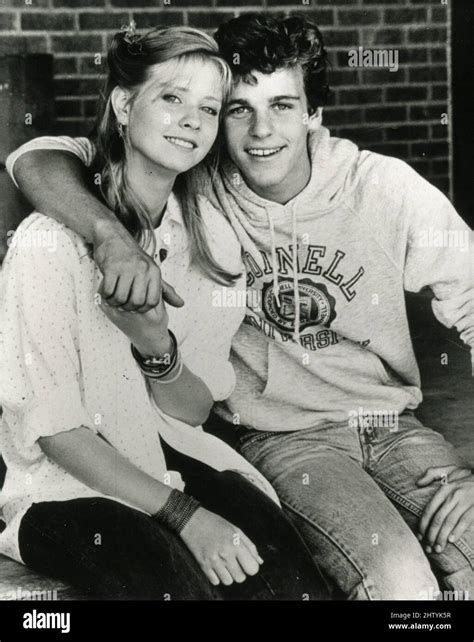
[191,119]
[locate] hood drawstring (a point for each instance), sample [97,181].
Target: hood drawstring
[276,285]
[296,291]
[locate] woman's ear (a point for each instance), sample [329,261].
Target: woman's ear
[120,99]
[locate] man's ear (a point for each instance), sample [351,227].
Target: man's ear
[316,120]
[120,99]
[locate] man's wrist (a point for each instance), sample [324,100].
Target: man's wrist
[106,227]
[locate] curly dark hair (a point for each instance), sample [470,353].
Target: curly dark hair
[267,42]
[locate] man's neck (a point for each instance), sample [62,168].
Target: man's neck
[284,192]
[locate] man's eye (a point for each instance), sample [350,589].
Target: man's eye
[282,106]
[170,98]
[236,111]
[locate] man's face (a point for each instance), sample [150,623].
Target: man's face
[266,129]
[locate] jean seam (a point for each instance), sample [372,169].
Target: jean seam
[333,541]
[416,510]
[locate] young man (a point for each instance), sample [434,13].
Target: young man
[331,237]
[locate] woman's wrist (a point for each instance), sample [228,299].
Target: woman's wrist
[158,346]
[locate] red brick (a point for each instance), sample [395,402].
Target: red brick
[385,114]
[413,55]
[68,108]
[103,20]
[359,97]
[388,37]
[337,116]
[79,4]
[405,94]
[11,44]
[439,92]
[341,37]
[64,66]
[208,19]
[427,112]
[7,21]
[407,132]
[427,74]
[382,76]
[78,86]
[423,35]
[402,16]
[350,18]
[430,150]
[438,55]
[47,21]
[362,135]
[75,43]
[322,17]
[439,132]
[148,19]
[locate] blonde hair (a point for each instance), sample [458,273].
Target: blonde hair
[130,58]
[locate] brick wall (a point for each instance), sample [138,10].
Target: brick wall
[397,113]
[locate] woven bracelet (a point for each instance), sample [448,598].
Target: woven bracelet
[177,510]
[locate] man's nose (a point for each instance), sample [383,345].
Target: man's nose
[191,119]
[261,126]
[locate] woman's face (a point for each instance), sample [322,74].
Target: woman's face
[173,121]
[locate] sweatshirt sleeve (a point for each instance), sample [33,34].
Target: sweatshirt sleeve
[83,148]
[440,255]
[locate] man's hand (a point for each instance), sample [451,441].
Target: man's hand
[132,280]
[223,551]
[451,509]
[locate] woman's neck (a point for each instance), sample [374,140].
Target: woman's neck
[152,185]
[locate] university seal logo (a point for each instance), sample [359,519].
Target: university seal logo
[317,306]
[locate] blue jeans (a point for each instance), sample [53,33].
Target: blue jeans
[352,494]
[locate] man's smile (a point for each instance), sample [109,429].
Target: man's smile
[263,152]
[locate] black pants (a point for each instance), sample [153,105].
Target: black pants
[117,552]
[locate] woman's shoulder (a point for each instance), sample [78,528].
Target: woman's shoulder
[40,235]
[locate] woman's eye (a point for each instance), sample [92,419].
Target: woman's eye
[282,106]
[211,111]
[170,98]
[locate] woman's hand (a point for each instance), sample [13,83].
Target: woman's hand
[451,509]
[148,331]
[223,551]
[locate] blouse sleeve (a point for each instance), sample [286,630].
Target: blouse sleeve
[81,147]
[39,366]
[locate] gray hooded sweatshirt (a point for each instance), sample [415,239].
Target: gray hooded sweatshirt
[326,331]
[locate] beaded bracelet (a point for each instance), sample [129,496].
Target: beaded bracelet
[157,367]
[177,510]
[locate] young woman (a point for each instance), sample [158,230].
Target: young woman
[91,394]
